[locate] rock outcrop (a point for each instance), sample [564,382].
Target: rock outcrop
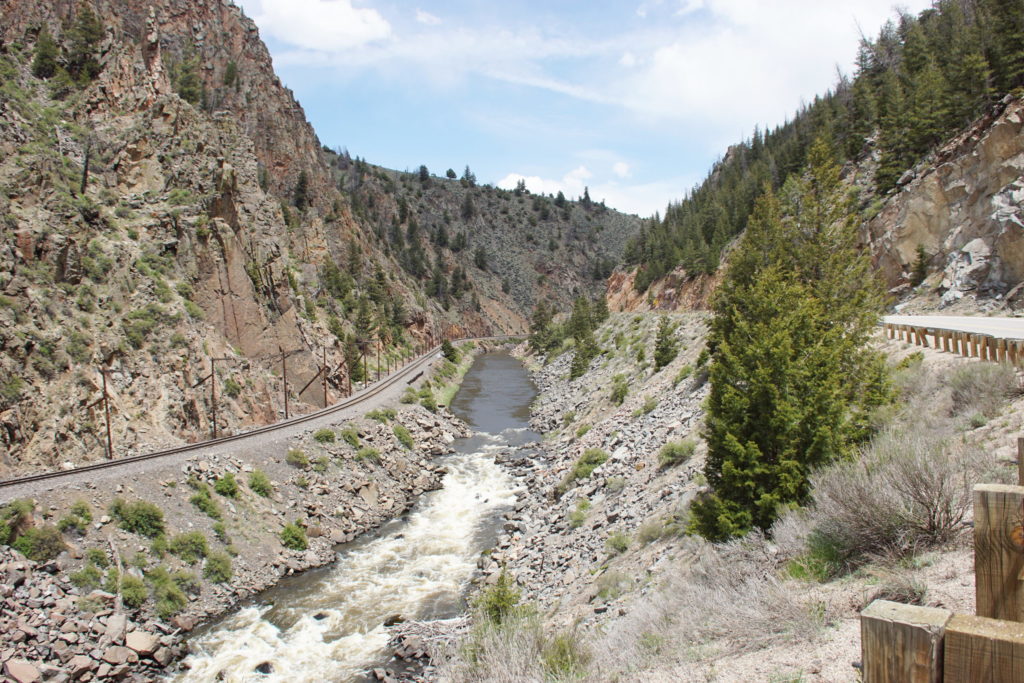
[965,208]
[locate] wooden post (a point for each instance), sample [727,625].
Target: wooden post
[1020,460]
[284,374]
[1011,349]
[902,643]
[979,649]
[106,413]
[999,551]
[325,376]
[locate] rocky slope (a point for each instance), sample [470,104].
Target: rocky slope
[163,201]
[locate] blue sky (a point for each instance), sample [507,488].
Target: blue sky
[634,100]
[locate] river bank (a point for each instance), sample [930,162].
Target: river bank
[218,543]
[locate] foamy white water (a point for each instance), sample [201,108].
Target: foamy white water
[429,560]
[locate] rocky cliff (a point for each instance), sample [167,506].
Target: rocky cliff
[163,201]
[965,207]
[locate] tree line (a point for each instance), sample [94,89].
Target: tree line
[920,80]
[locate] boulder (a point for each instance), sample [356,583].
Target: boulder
[117,654]
[22,671]
[79,665]
[142,642]
[116,625]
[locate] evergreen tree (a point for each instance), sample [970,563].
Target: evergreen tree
[300,196]
[580,322]
[353,359]
[450,173]
[468,208]
[666,346]
[85,37]
[599,310]
[185,78]
[792,381]
[542,338]
[44,65]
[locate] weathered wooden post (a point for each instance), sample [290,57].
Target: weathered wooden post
[999,551]
[1020,460]
[902,643]
[979,649]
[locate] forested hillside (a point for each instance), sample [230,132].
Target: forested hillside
[920,80]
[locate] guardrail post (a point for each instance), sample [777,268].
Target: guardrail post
[981,649]
[902,643]
[999,551]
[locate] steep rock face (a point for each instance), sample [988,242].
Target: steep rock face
[677,291]
[966,209]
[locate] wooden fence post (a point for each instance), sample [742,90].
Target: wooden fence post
[979,649]
[999,551]
[902,643]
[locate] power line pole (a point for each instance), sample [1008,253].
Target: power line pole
[325,376]
[105,400]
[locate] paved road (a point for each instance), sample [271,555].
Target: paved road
[1003,328]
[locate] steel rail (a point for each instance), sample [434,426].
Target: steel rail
[369,392]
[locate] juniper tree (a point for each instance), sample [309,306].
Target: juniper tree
[792,380]
[44,65]
[665,344]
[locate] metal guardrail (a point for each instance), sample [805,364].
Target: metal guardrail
[348,403]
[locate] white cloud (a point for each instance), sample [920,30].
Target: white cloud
[628,59]
[427,18]
[643,199]
[320,25]
[621,169]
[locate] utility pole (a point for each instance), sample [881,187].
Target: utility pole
[378,358]
[284,374]
[325,376]
[213,391]
[105,400]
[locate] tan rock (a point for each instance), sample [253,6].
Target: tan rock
[22,671]
[116,625]
[142,642]
[79,665]
[117,654]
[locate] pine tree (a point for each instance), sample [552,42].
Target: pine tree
[44,65]
[892,132]
[300,196]
[792,380]
[85,35]
[542,338]
[353,359]
[666,346]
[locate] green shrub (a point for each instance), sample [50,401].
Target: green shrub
[676,452]
[650,531]
[581,432]
[321,463]
[579,514]
[650,403]
[429,402]
[81,510]
[350,436]
[564,657]
[167,595]
[568,418]
[112,582]
[12,517]
[88,577]
[382,415]
[683,373]
[449,351]
[71,523]
[159,546]
[227,486]
[205,502]
[190,546]
[591,459]
[403,436]
[217,568]
[498,602]
[615,484]
[297,458]
[97,557]
[367,453]
[324,436]
[982,388]
[408,396]
[302,482]
[221,532]
[133,591]
[293,537]
[620,389]
[231,387]
[617,542]
[40,543]
[139,517]
[260,484]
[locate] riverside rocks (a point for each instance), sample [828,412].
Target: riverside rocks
[85,634]
[556,558]
[58,636]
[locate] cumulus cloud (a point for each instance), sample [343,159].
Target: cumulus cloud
[621,169]
[319,25]
[427,18]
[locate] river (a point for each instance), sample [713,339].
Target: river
[328,624]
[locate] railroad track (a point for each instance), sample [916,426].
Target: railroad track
[368,393]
